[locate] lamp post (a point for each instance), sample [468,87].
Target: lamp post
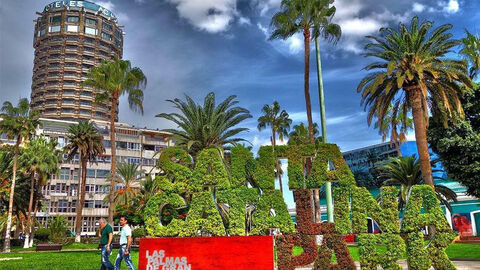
[323,121]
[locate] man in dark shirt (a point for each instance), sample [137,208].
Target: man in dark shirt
[106,236]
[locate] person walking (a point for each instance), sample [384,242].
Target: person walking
[125,244]
[106,236]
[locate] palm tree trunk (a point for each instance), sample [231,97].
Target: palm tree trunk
[306,35]
[397,147]
[29,213]
[6,244]
[114,158]
[34,217]
[81,190]
[415,98]
[277,163]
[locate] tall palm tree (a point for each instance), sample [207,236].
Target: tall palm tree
[18,123]
[207,126]
[279,122]
[114,79]
[301,16]
[84,140]
[127,175]
[471,52]
[413,73]
[39,159]
[405,173]
[389,126]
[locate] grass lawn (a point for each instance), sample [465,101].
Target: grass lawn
[454,251]
[68,260]
[90,259]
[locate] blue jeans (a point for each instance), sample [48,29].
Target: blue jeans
[106,264]
[121,256]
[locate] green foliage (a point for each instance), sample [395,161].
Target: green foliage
[241,160]
[42,234]
[370,258]
[177,172]
[207,126]
[139,232]
[341,210]
[58,227]
[264,218]
[265,169]
[210,171]
[203,217]
[458,145]
[237,199]
[153,224]
[419,257]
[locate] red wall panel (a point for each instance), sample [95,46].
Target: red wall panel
[204,253]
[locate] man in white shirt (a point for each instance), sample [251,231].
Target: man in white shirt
[125,244]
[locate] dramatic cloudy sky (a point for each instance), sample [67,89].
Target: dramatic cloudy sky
[197,46]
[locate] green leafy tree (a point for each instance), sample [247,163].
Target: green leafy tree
[458,146]
[405,172]
[18,123]
[471,52]
[395,125]
[279,122]
[207,126]
[84,141]
[39,160]
[114,79]
[413,73]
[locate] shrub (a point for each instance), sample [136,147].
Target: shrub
[139,232]
[42,235]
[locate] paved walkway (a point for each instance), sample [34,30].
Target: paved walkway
[461,265]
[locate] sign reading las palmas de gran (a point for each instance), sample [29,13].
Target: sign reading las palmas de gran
[79,4]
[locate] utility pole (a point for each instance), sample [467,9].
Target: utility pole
[323,121]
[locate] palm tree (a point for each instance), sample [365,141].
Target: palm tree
[471,52]
[413,73]
[84,140]
[127,175]
[18,123]
[279,122]
[39,159]
[405,172]
[389,125]
[207,126]
[113,79]
[300,136]
[301,16]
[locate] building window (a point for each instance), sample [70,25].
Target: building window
[85,112]
[88,204]
[91,173]
[107,27]
[71,28]
[55,19]
[86,94]
[42,32]
[64,173]
[98,204]
[54,29]
[73,19]
[90,21]
[106,36]
[102,173]
[62,206]
[67,110]
[90,31]
[75,174]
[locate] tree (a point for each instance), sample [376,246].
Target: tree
[18,123]
[389,126]
[301,16]
[405,172]
[39,159]
[413,73]
[458,146]
[279,122]
[300,136]
[127,175]
[84,141]
[207,126]
[471,52]
[114,79]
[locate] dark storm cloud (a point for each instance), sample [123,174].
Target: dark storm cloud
[183,52]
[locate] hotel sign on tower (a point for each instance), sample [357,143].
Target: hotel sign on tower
[80,4]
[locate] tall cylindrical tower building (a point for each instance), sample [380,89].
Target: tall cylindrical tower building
[70,38]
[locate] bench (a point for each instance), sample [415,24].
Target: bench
[48,247]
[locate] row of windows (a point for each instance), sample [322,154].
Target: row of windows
[75,29]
